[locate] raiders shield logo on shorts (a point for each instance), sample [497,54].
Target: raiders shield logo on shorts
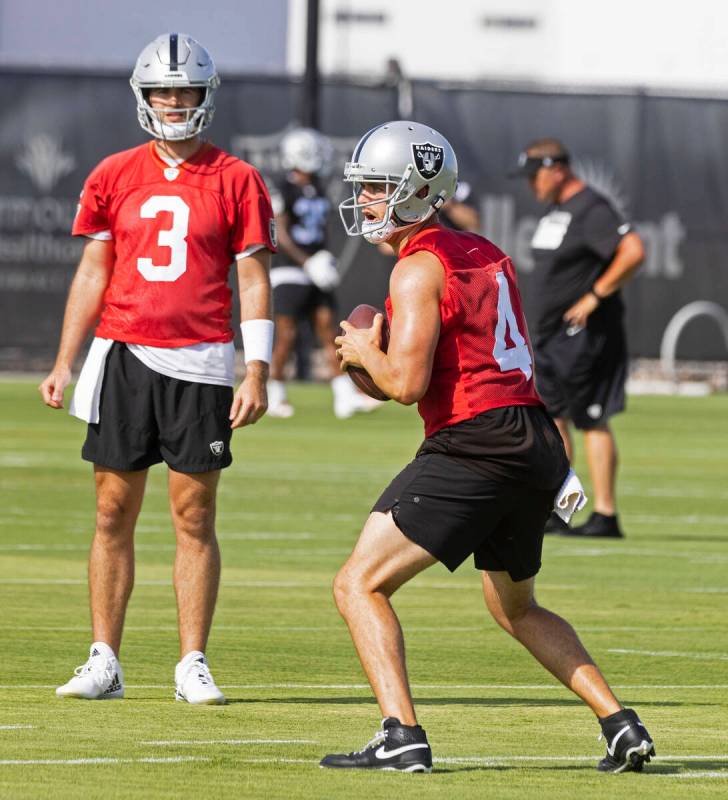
[217,448]
[428,159]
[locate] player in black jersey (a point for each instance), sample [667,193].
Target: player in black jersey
[584,252]
[304,274]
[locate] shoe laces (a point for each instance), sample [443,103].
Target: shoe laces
[102,669]
[379,738]
[201,672]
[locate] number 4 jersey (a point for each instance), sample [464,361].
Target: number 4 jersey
[483,359]
[176,231]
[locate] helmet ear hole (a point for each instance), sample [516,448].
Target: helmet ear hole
[423,192]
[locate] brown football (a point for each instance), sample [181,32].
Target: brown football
[363,317]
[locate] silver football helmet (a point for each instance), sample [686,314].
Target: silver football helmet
[415,163]
[174,59]
[307,150]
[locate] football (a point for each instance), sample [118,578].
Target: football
[363,317]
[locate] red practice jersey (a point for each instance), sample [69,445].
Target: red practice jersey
[176,231]
[483,358]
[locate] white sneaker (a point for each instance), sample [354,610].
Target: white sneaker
[344,408]
[100,678]
[194,682]
[348,400]
[278,405]
[282,410]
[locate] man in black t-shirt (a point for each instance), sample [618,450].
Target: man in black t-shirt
[584,252]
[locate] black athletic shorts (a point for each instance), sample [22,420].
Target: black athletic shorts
[300,300]
[146,418]
[581,377]
[486,487]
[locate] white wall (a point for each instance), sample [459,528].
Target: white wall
[622,42]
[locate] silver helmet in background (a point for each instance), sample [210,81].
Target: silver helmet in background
[416,165]
[307,150]
[175,60]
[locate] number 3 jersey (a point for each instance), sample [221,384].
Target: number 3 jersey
[482,359]
[176,231]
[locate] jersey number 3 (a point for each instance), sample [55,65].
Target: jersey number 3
[175,238]
[518,356]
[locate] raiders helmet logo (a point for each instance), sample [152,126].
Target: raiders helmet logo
[428,159]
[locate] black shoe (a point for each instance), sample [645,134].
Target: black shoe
[629,745]
[554,524]
[394,747]
[597,525]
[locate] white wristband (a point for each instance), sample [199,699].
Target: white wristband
[257,339]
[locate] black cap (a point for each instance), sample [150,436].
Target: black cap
[528,166]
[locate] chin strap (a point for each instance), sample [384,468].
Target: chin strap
[380,234]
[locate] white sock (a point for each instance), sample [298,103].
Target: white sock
[277,393]
[193,655]
[103,649]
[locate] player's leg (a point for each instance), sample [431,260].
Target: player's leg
[192,499]
[602,459]
[119,498]
[324,326]
[600,396]
[383,559]
[121,445]
[549,638]
[555,644]
[111,578]
[285,340]
[195,437]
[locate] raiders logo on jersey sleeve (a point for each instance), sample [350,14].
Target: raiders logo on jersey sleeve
[428,159]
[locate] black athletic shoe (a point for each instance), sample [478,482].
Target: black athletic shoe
[394,747]
[629,745]
[554,524]
[597,525]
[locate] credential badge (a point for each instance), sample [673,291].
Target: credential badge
[428,159]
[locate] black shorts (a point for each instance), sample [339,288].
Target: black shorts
[146,418]
[453,500]
[582,377]
[300,300]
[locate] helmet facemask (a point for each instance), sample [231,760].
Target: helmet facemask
[152,119]
[396,217]
[174,61]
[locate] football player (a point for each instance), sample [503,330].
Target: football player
[304,274]
[492,465]
[163,222]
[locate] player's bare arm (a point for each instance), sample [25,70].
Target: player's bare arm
[403,373]
[251,401]
[627,259]
[82,309]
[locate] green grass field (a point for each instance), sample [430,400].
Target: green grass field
[652,609]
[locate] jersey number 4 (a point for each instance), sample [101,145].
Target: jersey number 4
[175,238]
[518,356]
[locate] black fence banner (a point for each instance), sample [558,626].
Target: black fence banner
[662,160]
